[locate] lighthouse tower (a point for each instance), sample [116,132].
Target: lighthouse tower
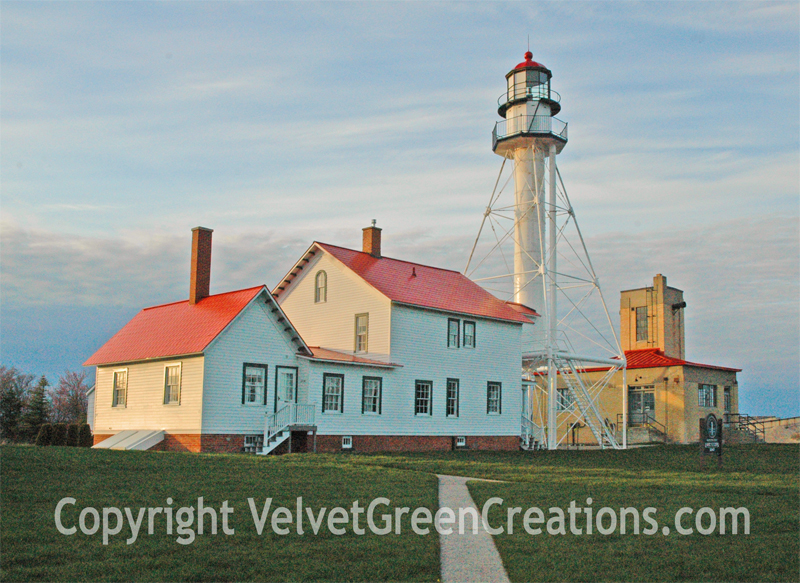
[529,134]
[561,346]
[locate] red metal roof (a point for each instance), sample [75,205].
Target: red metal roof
[424,286]
[528,62]
[326,354]
[174,329]
[655,357]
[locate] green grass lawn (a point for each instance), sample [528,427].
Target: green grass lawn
[762,478]
[35,479]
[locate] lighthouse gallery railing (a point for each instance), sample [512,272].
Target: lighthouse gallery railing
[529,124]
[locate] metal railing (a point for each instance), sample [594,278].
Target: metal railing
[532,435]
[529,124]
[648,421]
[524,91]
[746,423]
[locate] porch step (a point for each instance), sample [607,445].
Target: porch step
[274,441]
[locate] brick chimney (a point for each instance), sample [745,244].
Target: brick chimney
[200,276]
[371,240]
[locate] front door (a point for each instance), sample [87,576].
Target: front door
[641,404]
[285,386]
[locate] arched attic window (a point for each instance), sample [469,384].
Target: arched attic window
[321,287]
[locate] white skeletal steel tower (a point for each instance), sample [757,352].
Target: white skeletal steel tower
[542,219]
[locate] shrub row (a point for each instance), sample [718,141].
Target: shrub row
[74,435]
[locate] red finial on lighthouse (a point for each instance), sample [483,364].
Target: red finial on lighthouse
[529,62]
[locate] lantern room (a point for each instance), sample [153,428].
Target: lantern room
[529,81]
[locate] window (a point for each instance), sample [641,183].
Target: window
[172,384]
[362,330]
[494,400]
[422,398]
[332,393]
[452,332]
[452,397]
[347,442]
[726,396]
[564,400]
[253,443]
[371,395]
[321,287]
[707,395]
[461,441]
[285,385]
[120,391]
[469,334]
[254,383]
[641,324]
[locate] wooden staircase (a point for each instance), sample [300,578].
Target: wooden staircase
[279,425]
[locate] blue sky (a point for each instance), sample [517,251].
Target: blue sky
[124,124]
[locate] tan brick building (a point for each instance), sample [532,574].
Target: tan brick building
[667,395]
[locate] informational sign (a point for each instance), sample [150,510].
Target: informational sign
[711,435]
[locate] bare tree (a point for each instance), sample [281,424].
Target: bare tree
[69,398]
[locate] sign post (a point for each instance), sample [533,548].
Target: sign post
[711,438]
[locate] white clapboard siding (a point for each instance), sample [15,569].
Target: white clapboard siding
[331,324]
[254,337]
[145,408]
[419,343]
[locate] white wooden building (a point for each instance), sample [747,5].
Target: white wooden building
[351,351]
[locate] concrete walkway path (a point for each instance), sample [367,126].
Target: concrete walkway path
[467,557]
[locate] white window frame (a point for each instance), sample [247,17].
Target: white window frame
[371,401]
[321,289]
[449,400]
[260,396]
[423,398]
[167,393]
[494,405]
[453,337]
[332,396]
[461,441]
[362,346]
[114,396]
[472,342]
[347,442]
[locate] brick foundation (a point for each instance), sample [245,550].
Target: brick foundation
[378,443]
[98,438]
[221,443]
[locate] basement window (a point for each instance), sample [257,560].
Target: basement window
[461,441]
[347,442]
[252,443]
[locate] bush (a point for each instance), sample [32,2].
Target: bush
[45,436]
[59,434]
[73,434]
[85,439]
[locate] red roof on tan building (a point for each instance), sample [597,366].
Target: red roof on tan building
[174,329]
[424,286]
[655,357]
